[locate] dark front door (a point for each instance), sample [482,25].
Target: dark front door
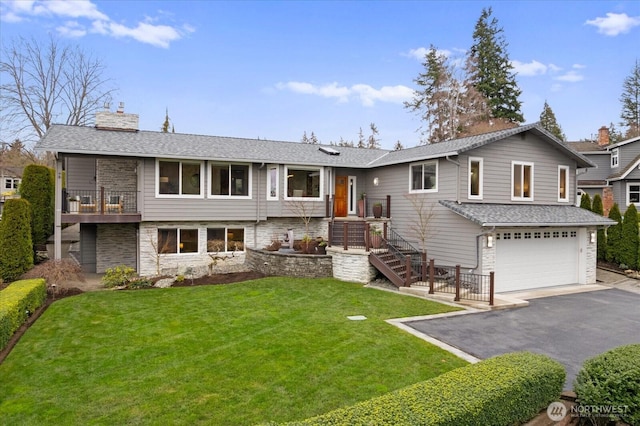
[88,236]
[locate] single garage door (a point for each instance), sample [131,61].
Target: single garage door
[534,258]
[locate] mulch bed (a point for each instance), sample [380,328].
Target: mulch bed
[62,292]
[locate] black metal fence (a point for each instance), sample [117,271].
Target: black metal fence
[464,285]
[99,201]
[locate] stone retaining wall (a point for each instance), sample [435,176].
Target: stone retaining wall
[352,265]
[289,264]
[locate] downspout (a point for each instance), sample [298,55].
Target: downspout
[57,231]
[255,226]
[480,235]
[457,178]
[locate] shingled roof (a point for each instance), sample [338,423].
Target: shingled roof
[92,141]
[522,215]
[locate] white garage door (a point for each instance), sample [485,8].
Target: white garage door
[535,258]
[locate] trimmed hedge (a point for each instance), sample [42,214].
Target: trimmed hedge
[502,390]
[612,379]
[16,249]
[37,188]
[19,300]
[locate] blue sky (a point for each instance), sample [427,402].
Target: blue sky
[277,69]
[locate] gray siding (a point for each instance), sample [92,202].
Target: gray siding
[81,173]
[627,153]
[207,209]
[602,169]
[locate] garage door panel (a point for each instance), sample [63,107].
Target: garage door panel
[534,258]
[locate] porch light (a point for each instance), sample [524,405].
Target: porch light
[593,236]
[489,241]
[376,181]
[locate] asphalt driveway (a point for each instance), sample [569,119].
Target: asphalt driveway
[569,328]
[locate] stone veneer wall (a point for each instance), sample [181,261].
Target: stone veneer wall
[116,174]
[352,265]
[116,244]
[592,257]
[289,264]
[488,256]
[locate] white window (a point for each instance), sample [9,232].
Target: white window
[633,194]
[11,183]
[521,181]
[563,183]
[173,240]
[179,178]
[229,180]
[615,157]
[424,177]
[273,180]
[303,182]
[475,178]
[225,239]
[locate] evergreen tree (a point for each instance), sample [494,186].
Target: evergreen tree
[361,143]
[167,124]
[398,146]
[630,100]
[304,139]
[628,248]
[490,70]
[36,187]
[614,234]
[549,122]
[373,142]
[313,140]
[585,202]
[16,248]
[598,208]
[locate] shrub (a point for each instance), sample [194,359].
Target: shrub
[119,276]
[598,208]
[614,234]
[506,389]
[37,188]
[16,250]
[612,379]
[19,300]
[585,201]
[56,271]
[628,248]
[140,283]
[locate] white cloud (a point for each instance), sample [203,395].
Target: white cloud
[144,31]
[420,53]
[578,66]
[365,93]
[554,68]
[614,23]
[529,69]
[570,77]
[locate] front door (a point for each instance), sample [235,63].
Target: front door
[340,196]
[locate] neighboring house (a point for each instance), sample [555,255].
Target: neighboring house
[502,201]
[616,177]
[10,178]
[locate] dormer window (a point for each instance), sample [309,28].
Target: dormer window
[614,158]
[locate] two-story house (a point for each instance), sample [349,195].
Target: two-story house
[616,175]
[501,202]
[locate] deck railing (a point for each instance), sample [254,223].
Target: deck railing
[101,201]
[464,285]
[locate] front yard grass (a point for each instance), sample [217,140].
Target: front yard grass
[274,349]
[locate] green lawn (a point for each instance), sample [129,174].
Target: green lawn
[274,349]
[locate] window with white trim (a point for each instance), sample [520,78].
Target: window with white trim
[11,183]
[174,240]
[521,181]
[225,240]
[303,182]
[273,175]
[424,177]
[179,178]
[615,157]
[563,183]
[229,180]
[475,178]
[633,194]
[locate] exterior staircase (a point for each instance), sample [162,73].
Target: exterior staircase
[398,260]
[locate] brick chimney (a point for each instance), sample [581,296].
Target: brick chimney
[603,136]
[107,120]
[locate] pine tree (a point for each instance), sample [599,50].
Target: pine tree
[304,139]
[373,142]
[549,122]
[398,146]
[490,69]
[628,248]
[313,140]
[597,207]
[614,234]
[630,100]
[361,143]
[167,123]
